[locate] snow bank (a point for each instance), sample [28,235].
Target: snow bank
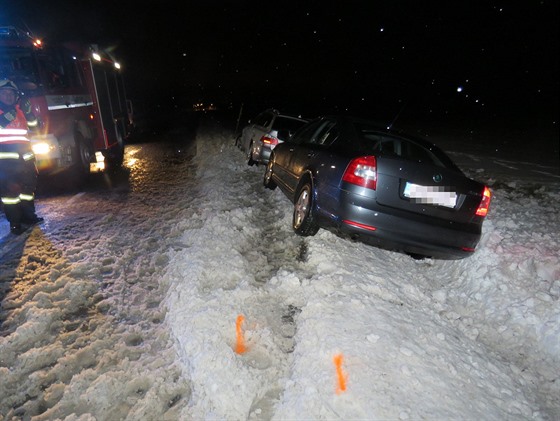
[474,338]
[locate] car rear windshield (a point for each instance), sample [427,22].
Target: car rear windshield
[284,123]
[378,143]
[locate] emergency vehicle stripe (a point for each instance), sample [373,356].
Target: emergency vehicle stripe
[13,139]
[62,102]
[63,107]
[12,132]
[28,156]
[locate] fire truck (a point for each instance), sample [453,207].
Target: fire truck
[78,94]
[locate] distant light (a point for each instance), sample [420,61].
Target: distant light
[381,29]
[96,56]
[460,89]
[117,65]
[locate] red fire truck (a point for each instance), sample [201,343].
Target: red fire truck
[78,94]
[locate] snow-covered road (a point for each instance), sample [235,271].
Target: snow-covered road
[124,304]
[82,323]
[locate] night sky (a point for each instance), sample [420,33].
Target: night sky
[493,62]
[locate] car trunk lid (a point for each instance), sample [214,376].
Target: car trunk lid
[427,190]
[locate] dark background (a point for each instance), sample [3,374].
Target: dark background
[388,60]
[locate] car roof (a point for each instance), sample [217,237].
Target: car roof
[351,121]
[285,115]
[376,125]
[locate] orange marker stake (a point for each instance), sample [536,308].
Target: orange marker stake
[341,376]
[240,347]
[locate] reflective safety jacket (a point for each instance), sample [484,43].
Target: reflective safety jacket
[16,129]
[12,134]
[15,118]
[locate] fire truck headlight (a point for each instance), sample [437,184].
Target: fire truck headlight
[41,148]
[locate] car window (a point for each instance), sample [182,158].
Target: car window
[382,144]
[290,124]
[378,144]
[306,132]
[263,119]
[417,153]
[326,134]
[317,133]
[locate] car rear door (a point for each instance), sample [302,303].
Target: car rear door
[289,157]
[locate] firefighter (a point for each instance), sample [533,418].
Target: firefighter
[18,172]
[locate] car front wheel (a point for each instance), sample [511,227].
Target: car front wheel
[303,222]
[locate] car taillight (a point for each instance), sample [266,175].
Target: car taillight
[484,203]
[362,171]
[269,140]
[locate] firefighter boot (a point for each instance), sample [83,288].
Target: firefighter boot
[13,215]
[28,215]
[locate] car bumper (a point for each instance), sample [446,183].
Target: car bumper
[402,231]
[263,155]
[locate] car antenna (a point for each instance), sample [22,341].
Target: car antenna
[390,126]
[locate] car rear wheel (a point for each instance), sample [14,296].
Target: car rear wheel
[267,180]
[250,160]
[303,222]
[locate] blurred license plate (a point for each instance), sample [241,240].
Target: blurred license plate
[431,195]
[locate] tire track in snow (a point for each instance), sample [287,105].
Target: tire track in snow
[264,245]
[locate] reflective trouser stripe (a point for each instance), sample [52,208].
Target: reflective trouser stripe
[9,155]
[16,200]
[11,200]
[26,197]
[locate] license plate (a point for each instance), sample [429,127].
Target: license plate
[430,195]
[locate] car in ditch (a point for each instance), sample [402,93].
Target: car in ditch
[378,186]
[263,133]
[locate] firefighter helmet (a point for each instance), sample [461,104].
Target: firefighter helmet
[8,84]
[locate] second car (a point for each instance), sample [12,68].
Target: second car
[263,133]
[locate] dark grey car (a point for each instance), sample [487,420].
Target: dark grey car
[380,187]
[264,132]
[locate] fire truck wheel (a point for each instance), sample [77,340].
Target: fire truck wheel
[84,154]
